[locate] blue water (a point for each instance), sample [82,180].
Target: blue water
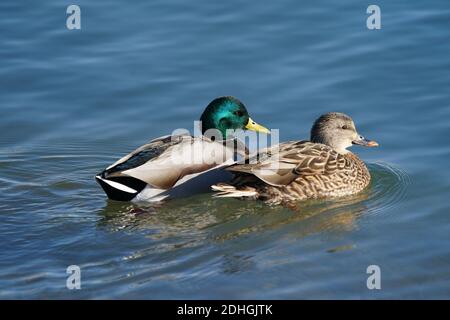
[72,102]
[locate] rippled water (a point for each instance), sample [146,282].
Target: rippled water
[72,102]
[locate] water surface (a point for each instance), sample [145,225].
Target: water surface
[72,102]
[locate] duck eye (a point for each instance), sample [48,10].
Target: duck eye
[345,127]
[238,113]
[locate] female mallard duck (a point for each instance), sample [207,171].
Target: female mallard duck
[299,170]
[163,167]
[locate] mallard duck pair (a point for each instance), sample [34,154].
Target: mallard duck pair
[290,171]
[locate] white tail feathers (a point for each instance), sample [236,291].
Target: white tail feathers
[117,185]
[228,191]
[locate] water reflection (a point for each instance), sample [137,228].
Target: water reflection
[223,219]
[211,236]
[235,263]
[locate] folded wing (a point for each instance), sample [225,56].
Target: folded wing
[281,164]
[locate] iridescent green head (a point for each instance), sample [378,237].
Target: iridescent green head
[227,113]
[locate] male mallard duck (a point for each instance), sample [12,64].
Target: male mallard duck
[163,167]
[299,170]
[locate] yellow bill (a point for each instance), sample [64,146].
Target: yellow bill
[252,125]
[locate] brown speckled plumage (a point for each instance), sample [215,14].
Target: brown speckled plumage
[300,170]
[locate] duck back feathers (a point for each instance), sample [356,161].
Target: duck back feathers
[297,170]
[161,165]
